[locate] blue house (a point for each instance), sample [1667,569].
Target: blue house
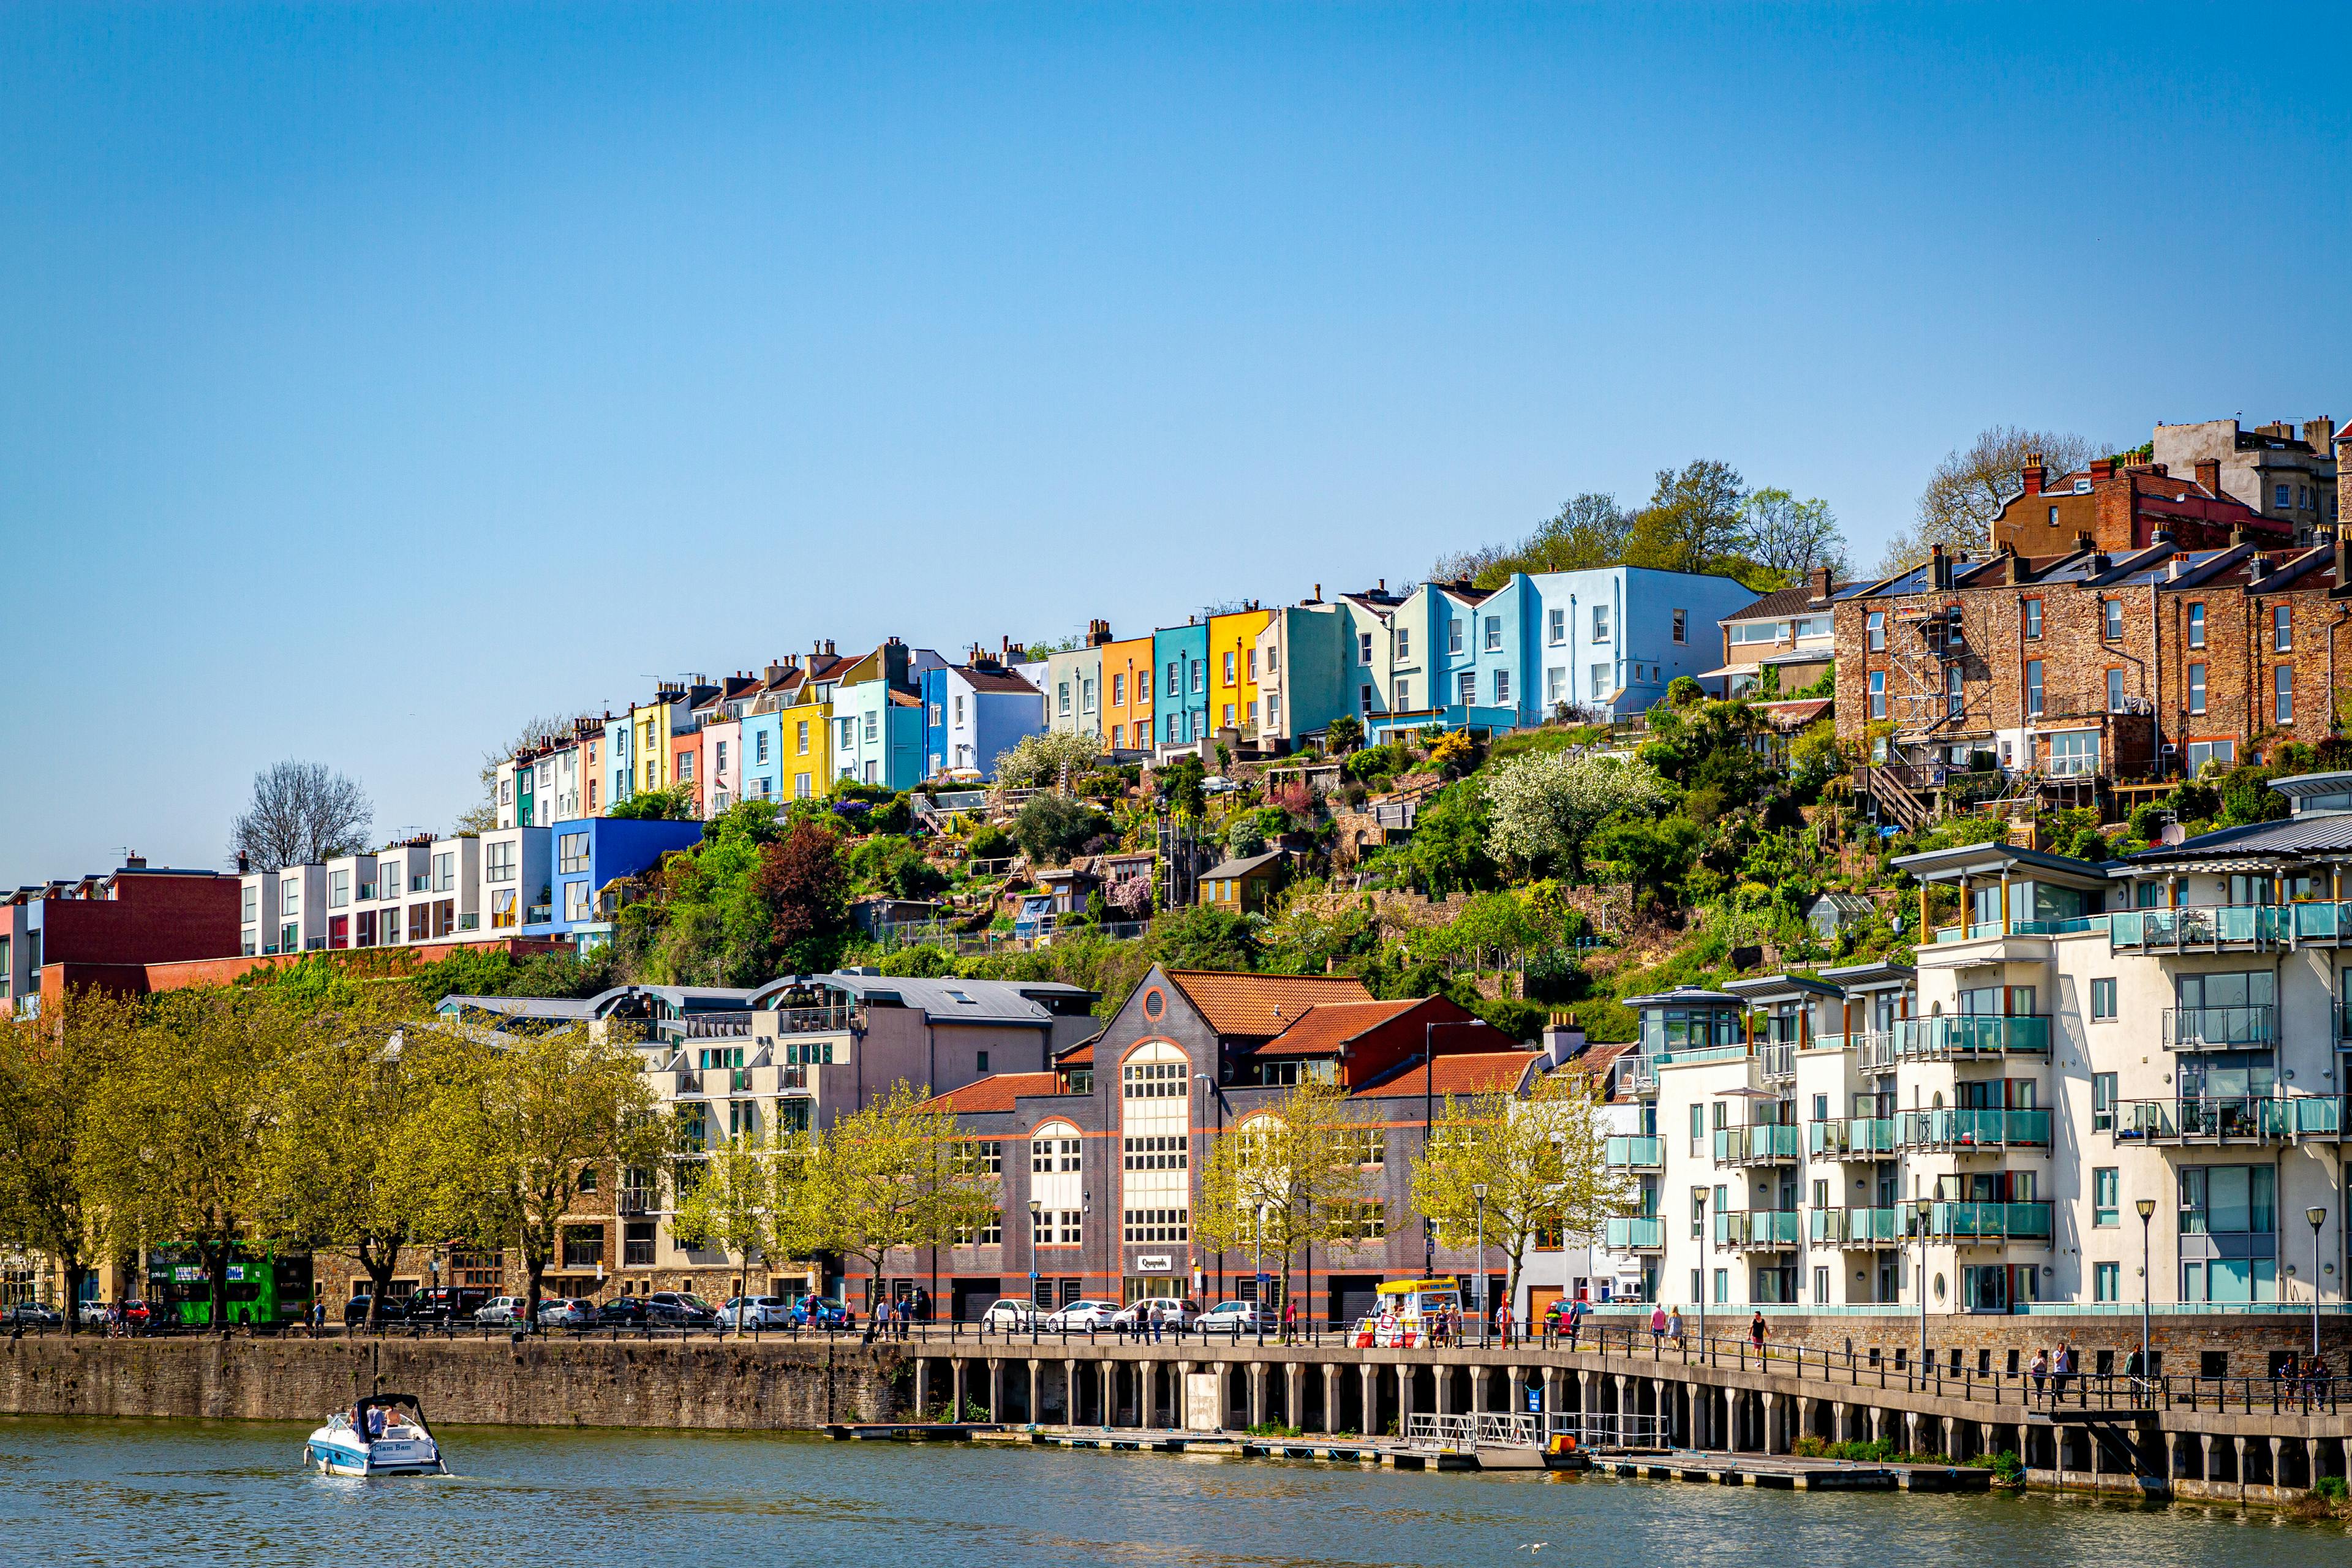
[1435,672]
[1609,641]
[974,713]
[1179,676]
[591,853]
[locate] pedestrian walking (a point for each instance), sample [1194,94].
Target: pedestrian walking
[1575,1320]
[1289,1320]
[1674,1327]
[1658,1328]
[1755,1332]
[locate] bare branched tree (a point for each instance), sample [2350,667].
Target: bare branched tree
[1794,536]
[300,814]
[1969,486]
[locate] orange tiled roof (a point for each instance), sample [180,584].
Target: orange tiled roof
[1473,1072]
[1596,1060]
[1263,1005]
[1325,1027]
[994,1092]
[1077,1056]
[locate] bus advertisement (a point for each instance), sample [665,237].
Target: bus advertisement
[264,1286]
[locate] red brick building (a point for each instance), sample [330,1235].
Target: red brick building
[2072,669]
[2122,507]
[103,931]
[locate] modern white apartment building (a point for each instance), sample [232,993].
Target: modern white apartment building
[2096,1067]
[422,890]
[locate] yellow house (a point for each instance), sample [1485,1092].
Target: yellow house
[648,751]
[808,749]
[1233,670]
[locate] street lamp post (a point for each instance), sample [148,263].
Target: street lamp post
[1478,1190]
[1927,1214]
[1705,1259]
[2317,1217]
[1035,1206]
[2146,1207]
[1201,1164]
[1257,1262]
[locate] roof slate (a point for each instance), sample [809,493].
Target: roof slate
[1471,1072]
[996,1092]
[1326,1027]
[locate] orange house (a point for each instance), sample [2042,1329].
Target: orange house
[1127,695]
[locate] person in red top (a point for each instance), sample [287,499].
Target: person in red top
[1289,1320]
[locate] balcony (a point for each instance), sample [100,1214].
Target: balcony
[1763,1145]
[2219,1028]
[1779,1062]
[1857,1227]
[635,1200]
[716,1026]
[1639,1074]
[1853,1137]
[689,1083]
[1627,1153]
[1969,1035]
[1766,1230]
[1965,1224]
[827,1020]
[1966,1128]
[1642,1233]
[2204,929]
[2226,1119]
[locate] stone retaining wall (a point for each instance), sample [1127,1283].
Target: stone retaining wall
[581,1382]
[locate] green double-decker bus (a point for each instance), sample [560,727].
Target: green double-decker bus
[266,1285]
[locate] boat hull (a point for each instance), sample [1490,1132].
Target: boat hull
[336,1456]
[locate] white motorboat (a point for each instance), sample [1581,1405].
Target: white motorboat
[381,1435]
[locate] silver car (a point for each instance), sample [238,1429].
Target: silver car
[747,1313]
[563,1312]
[1077,1317]
[1168,1312]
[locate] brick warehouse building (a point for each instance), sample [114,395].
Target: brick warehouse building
[1112,1141]
[2073,668]
[103,931]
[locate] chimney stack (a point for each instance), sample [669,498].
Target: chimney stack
[1821,584]
[1563,1039]
[2209,474]
[2342,559]
[2102,468]
[1939,567]
[2034,473]
[2320,433]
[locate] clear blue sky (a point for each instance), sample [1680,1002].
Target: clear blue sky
[371,378]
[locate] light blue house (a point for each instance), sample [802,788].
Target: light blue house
[877,717]
[1179,672]
[974,713]
[591,853]
[1609,641]
[1603,643]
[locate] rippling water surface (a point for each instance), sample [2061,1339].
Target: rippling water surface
[191,1492]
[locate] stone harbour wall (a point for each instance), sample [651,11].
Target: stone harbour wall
[578,1382]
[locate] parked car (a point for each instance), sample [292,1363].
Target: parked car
[623,1312]
[1080,1316]
[681,1310]
[502,1309]
[1008,1312]
[135,1315]
[393,1310]
[1171,1312]
[822,1313]
[447,1304]
[1234,1318]
[756,1313]
[32,1315]
[566,1312]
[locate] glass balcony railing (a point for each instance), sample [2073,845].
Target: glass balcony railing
[1970,1035]
[1755,1145]
[1967,1222]
[1853,1137]
[1634,1154]
[1967,1127]
[1856,1228]
[2254,1118]
[2206,926]
[1779,1062]
[2218,1028]
[1775,1229]
[1637,1234]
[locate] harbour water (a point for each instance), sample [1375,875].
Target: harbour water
[230,1492]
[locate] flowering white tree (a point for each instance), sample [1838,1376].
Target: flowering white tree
[1040,759]
[1544,807]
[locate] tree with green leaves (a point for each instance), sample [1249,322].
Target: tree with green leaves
[1343,735]
[744,1201]
[50,1068]
[172,1151]
[1793,537]
[515,1124]
[1528,1166]
[890,1176]
[349,1161]
[672,803]
[1289,1176]
[1697,520]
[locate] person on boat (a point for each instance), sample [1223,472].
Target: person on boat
[374,1422]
